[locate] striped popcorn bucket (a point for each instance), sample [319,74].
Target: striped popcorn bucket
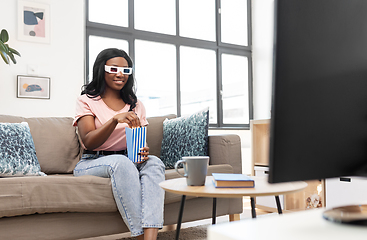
[135,140]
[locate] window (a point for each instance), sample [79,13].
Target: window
[106,11]
[155,65]
[197,19]
[155,16]
[235,89]
[188,54]
[198,81]
[232,14]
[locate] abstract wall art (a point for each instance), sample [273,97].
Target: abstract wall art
[33,22]
[33,87]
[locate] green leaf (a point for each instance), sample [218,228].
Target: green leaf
[12,50]
[6,48]
[3,47]
[12,58]
[4,36]
[6,52]
[5,57]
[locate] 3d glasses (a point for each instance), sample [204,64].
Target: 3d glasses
[113,69]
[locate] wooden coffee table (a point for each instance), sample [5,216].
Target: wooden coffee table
[262,188]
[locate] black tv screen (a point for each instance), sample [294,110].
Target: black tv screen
[319,105]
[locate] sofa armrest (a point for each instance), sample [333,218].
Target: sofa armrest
[225,149]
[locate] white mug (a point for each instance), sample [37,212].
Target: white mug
[195,168]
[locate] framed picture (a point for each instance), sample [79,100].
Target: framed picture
[33,22]
[33,87]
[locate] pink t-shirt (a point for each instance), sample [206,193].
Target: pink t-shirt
[97,107]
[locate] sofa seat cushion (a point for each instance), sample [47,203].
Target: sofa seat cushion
[55,193]
[66,193]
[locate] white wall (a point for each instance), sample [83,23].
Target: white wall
[262,42]
[62,60]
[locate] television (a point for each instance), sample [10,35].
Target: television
[318,126]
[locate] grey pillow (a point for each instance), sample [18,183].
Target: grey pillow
[17,151]
[185,136]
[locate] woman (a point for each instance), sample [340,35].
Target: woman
[106,106]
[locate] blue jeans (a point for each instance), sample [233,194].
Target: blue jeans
[135,188]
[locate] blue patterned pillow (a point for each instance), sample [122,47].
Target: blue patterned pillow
[17,151]
[185,136]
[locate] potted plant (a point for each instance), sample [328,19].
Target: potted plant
[7,52]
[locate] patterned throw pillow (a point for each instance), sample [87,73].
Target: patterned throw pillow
[185,136]
[17,151]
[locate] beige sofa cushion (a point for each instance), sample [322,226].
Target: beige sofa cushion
[155,133]
[56,142]
[55,193]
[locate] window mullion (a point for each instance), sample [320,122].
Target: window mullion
[219,90]
[178,58]
[178,79]
[131,28]
[177,18]
[131,15]
[219,64]
[249,23]
[250,89]
[218,21]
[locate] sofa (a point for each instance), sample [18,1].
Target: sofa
[61,206]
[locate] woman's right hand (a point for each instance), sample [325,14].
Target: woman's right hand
[129,117]
[93,138]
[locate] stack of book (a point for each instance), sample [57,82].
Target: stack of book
[232,180]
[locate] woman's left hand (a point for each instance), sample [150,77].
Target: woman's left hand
[144,152]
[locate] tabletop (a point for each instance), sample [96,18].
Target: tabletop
[303,225]
[262,188]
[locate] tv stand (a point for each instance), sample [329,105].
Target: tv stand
[351,214]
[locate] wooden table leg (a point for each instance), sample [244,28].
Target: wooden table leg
[179,221]
[214,213]
[279,207]
[234,217]
[253,208]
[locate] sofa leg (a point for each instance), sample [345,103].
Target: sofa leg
[170,227]
[234,217]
